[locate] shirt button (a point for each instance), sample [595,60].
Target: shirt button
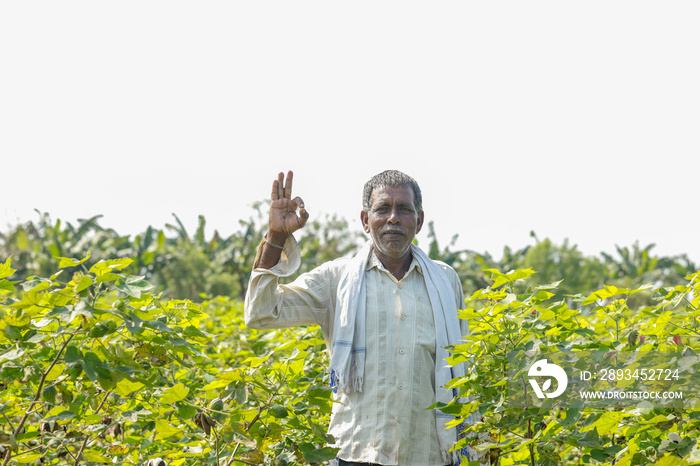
[398,420]
[400,386]
[403,316]
[400,285]
[402,351]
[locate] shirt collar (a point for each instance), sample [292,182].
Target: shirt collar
[375,262]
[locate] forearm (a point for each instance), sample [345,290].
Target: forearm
[270,251]
[268,304]
[264,296]
[262,302]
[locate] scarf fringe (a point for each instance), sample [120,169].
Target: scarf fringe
[448,457]
[340,382]
[455,457]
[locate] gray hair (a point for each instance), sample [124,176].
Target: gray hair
[395,179]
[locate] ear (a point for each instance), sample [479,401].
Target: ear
[365,221]
[419,224]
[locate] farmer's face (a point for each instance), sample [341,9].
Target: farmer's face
[392,221]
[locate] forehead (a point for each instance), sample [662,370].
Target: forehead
[392,194]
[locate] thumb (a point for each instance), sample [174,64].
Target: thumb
[303,213]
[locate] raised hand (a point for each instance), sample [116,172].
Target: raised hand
[284,219]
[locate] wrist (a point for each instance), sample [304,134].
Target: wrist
[276,237]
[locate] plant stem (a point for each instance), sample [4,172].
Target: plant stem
[232,458]
[613,444]
[233,455]
[683,328]
[216,446]
[531,447]
[8,421]
[87,438]
[37,396]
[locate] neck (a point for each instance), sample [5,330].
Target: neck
[396,266]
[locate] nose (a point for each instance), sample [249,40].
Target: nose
[394,216]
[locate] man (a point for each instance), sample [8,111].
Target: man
[385,315]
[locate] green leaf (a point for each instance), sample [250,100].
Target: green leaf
[320,431]
[36,284]
[84,283]
[608,422]
[686,446]
[63,414]
[55,372]
[133,323]
[318,455]
[192,331]
[5,269]
[599,455]
[543,295]
[61,312]
[18,319]
[99,330]
[165,430]
[106,266]
[668,460]
[174,394]
[108,277]
[95,457]
[513,275]
[255,361]
[591,439]
[12,355]
[609,291]
[95,369]
[26,459]
[7,285]
[82,309]
[158,325]
[64,262]
[133,285]
[126,387]
[549,286]
[72,355]
[12,333]
[278,411]
[573,414]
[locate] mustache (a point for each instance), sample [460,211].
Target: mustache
[393,230]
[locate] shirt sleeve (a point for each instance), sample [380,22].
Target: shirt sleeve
[308,300]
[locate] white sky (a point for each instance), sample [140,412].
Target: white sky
[577,120]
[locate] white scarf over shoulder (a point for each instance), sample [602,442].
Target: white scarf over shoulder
[348,352]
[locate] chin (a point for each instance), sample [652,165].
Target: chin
[395,252]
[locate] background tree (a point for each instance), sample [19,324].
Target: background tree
[195,266]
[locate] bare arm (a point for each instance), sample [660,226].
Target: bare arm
[284,220]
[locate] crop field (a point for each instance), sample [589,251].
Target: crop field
[104,361]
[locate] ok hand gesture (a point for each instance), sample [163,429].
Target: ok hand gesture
[283,210]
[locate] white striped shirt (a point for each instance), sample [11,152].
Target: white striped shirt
[387,422]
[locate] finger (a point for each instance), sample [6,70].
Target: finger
[274,196]
[280,185]
[288,185]
[303,213]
